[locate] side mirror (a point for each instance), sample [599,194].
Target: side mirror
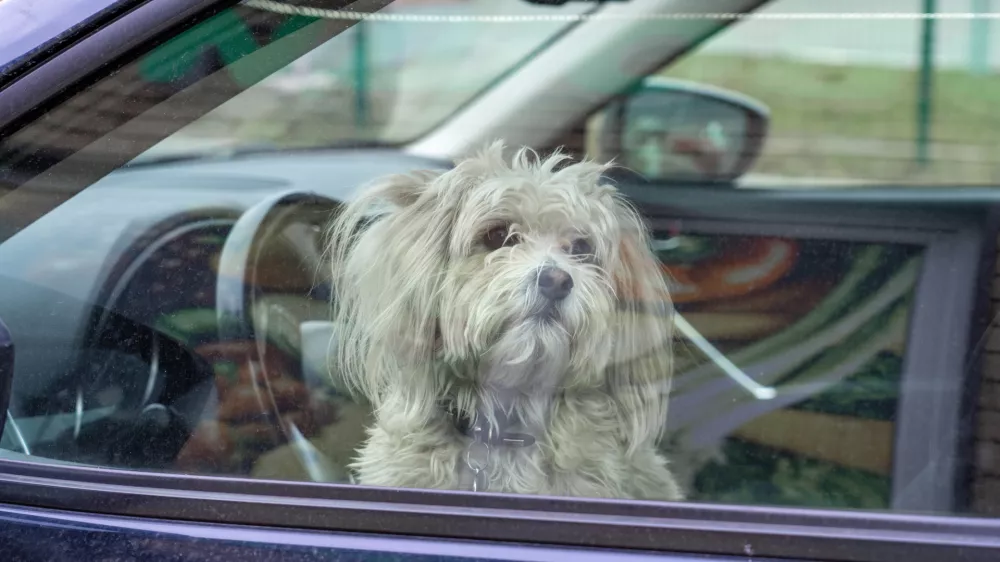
[673,130]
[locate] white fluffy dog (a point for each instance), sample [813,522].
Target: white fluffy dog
[510,327]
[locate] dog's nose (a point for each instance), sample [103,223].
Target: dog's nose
[554,283]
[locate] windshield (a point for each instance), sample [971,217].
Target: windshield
[403,70]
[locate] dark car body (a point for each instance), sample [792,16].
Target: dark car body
[54,512]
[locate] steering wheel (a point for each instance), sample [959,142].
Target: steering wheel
[241,280]
[268,282]
[159,387]
[153,386]
[134,391]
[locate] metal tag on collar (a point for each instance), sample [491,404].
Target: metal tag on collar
[477,457]
[517,439]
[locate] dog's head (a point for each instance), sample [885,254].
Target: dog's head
[512,274]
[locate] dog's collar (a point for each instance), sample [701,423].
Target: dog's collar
[482,433]
[484,438]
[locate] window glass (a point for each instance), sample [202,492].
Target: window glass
[205,307]
[867,96]
[821,324]
[386,80]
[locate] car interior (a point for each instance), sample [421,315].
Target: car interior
[835,337]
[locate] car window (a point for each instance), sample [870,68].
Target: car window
[766,313]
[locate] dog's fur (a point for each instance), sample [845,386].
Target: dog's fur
[428,312]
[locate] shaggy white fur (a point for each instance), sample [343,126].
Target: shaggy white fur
[515,289]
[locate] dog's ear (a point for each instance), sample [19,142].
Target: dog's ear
[642,359]
[403,190]
[388,252]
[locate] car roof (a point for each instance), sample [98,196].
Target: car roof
[30,27]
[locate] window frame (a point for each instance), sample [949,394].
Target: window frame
[86,533]
[75,25]
[633,525]
[101,44]
[679,527]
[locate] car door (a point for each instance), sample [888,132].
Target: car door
[151,269]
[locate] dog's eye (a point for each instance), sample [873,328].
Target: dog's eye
[498,237]
[581,247]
